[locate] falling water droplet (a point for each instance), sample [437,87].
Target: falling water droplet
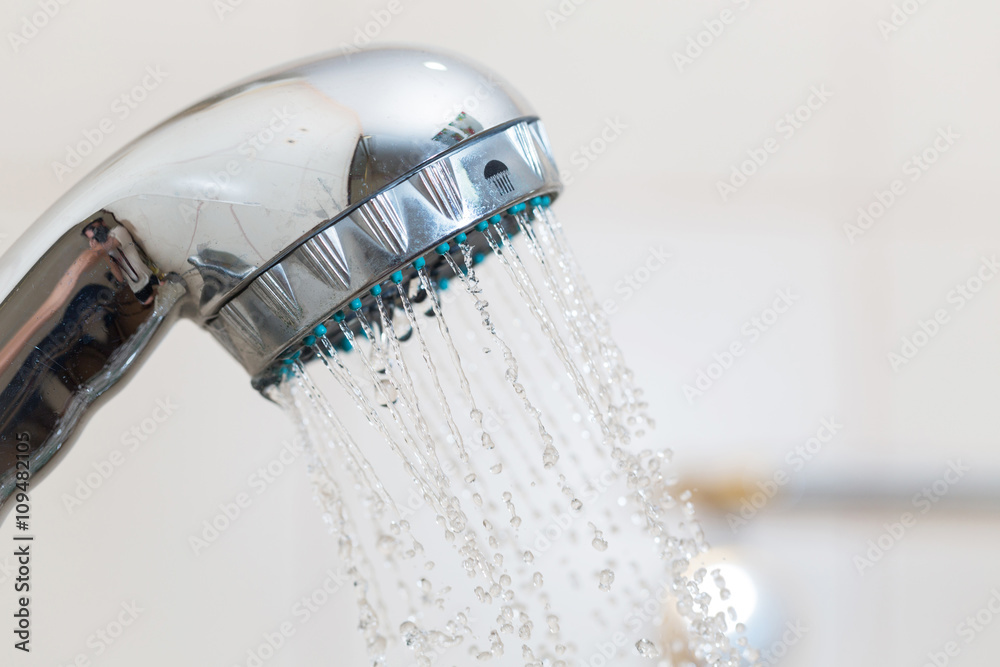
[647,649]
[409,632]
[598,542]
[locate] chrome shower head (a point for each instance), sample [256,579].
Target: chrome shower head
[259,213]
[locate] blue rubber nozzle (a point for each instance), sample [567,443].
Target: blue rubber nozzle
[419,263]
[355,304]
[397,277]
[339,316]
[375,291]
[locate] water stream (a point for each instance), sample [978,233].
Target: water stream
[490,472]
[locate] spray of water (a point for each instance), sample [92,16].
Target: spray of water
[476,449]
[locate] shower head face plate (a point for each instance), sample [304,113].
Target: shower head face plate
[383,234]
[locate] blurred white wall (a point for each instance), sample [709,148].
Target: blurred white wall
[879,97]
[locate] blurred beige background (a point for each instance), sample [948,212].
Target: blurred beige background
[841,101]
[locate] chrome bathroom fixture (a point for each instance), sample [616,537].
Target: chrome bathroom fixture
[323,208]
[259,213]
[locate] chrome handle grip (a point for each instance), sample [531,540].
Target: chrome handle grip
[82,317]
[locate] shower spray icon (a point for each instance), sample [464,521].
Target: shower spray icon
[497,174]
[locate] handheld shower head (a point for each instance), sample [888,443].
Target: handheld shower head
[259,213]
[327,205]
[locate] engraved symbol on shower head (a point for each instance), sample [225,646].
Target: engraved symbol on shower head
[497,174]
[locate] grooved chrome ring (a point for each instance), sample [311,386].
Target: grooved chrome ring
[482,176]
